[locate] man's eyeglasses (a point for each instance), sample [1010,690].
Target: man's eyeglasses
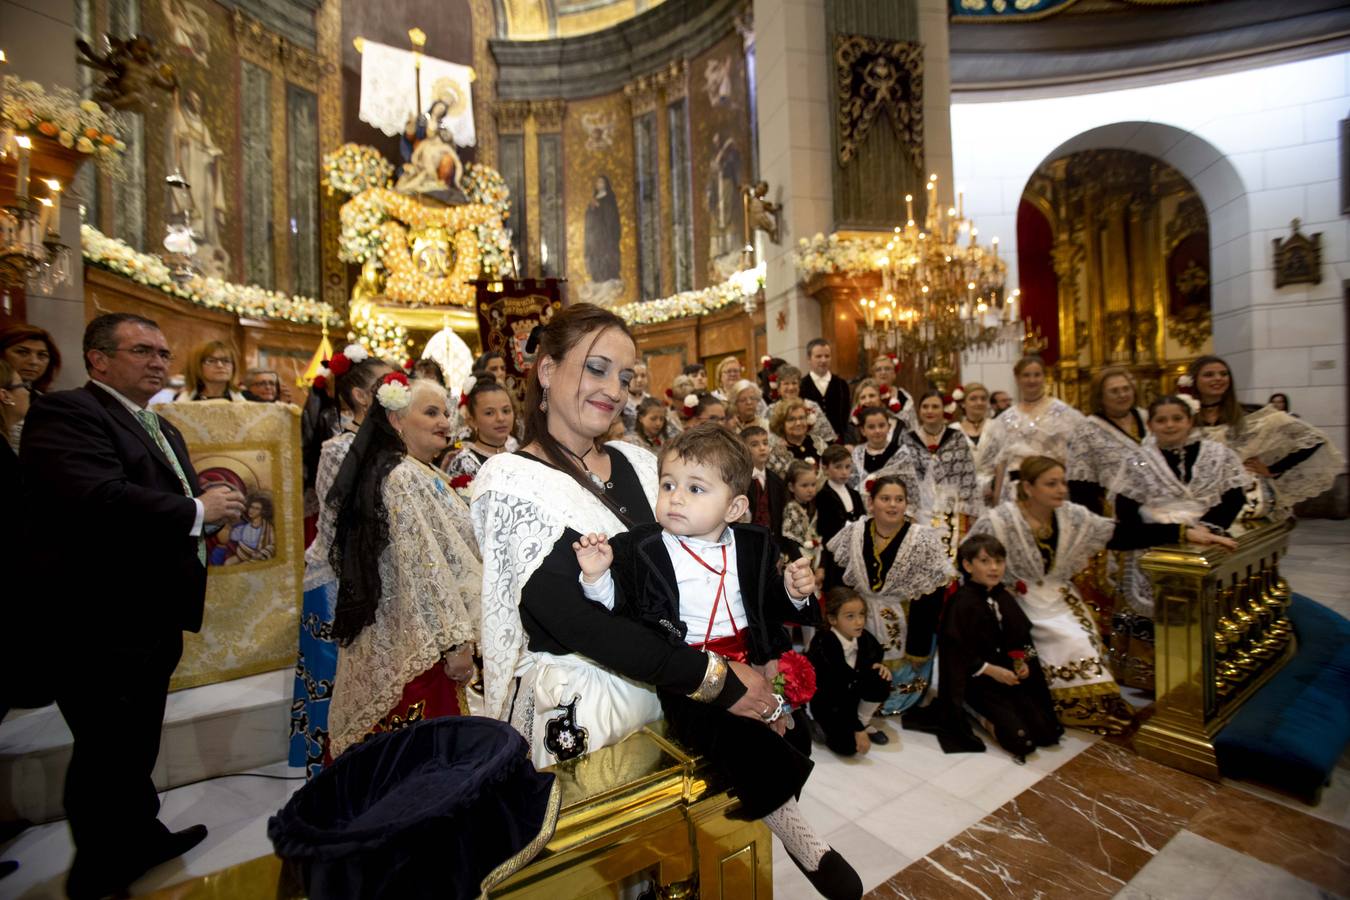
[142,351]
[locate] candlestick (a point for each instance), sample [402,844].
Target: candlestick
[21,179]
[54,226]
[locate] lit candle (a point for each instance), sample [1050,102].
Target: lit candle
[21,180]
[995,248]
[43,214]
[54,226]
[909,208]
[960,203]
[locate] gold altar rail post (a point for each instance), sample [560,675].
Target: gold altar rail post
[1222,631]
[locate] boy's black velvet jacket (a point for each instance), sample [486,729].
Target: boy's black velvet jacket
[645,589]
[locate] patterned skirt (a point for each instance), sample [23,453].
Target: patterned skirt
[315,671]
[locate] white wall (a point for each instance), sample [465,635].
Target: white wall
[1261,148]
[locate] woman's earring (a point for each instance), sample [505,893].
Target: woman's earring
[543,404]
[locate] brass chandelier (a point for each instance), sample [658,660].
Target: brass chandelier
[941,294]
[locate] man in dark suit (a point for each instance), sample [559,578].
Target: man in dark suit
[768,492]
[823,386]
[120,539]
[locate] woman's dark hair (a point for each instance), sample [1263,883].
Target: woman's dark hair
[17,334]
[361,376]
[762,376]
[869,411]
[706,400]
[1031,359]
[577,324]
[837,597]
[426,367]
[480,365]
[1030,470]
[976,544]
[1169,400]
[694,369]
[362,530]
[874,485]
[1099,386]
[485,386]
[931,392]
[1230,410]
[1283,396]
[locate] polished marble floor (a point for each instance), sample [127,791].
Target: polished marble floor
[1086,819]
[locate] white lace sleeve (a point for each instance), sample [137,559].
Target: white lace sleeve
[317,568]
[990,454]
[429,602]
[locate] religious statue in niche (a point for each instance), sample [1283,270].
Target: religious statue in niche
[133,74]
[761,213]
[1298,258]
[189,28]
[603,231]
[725,207]
[431,165]
[194,153]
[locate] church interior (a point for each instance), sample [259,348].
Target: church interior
[943,194]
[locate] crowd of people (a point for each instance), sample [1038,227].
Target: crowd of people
[607,551]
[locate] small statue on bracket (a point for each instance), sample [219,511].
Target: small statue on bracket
[761,213]
[132,72]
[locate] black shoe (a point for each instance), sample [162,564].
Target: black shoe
[817,733]
[878,738]
[8,867]
[834,879]
[172,845]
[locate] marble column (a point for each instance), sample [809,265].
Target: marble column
[791,74]
[38,36]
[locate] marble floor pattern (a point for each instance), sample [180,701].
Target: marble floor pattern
[1085,819]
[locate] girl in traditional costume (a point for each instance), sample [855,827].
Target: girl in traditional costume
[881,450]
[800,535]
[570,676]
[408,571]
[491,417]
[974,413]
[1293,461]
[900,569]
[1038,424]
[316,665]
[948,497]
[1050,541]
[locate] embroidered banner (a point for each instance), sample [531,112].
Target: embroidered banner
[256,565]
[508,310]
[873,76]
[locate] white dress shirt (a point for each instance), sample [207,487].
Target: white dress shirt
[134,409]
[841,488]
[850,648]
[822,381]
[697,587]
[760,478]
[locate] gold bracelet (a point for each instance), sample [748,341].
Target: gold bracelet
[714,679]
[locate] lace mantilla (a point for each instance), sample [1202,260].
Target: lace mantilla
[431,578]
[800,526]
[921,566]
[318,570]
[780,457]
[520,509]
[466,462]
[1270,435]
[946,479]
[1014,436]
[1082,533]
[1100,453]
[1164,497]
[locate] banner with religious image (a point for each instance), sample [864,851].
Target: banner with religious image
[255,565]
[508,311]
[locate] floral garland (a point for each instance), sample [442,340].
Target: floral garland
[212,293]
[407,284]
[694,303]
[353,168]
[386,338]
[60,114]
[821,255]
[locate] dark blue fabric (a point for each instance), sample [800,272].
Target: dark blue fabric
[315,672]
[424,812]
[1293,730]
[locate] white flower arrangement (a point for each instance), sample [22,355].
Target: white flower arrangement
[822,255]
[692,303]
[394,396]
[356,353]
[353,168]
[212,293]
[60,115]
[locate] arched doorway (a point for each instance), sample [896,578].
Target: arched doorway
[1115,268]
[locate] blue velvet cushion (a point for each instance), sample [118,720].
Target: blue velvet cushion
[1293,730]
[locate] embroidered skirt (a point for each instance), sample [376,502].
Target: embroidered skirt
[315,671]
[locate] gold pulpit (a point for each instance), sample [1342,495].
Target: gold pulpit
[1222,632]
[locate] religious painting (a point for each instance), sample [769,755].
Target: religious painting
[721,158]
[189,29]
[600,201]
[508,315]
[255,565]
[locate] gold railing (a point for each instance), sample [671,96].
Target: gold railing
[1222,630]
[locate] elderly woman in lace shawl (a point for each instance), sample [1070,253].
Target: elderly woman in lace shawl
[408,570]
[901,569]
[1036,425]
[948,495]
[1292,460]
[571,676]
[1050,541]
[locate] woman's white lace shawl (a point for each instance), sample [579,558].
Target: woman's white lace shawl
[520,508]
[1014,436]
[1100,453]
[1270,435]
[430,575]
[946,480]
[821,428]
[901,464]
[780,458]
[1082,533]
[317,568]
[466,462]
[1164,497]
[921,565]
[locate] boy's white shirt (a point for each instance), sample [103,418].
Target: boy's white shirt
[841,488]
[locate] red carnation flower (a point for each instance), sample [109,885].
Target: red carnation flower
[320,383]
[895,405]
[410,364]
[393,377]
[766,362]
[1020,587]
[460,481]
[1017,654]
[796,678]
[867,485]
[670,393]
[463,398]
[339,364]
